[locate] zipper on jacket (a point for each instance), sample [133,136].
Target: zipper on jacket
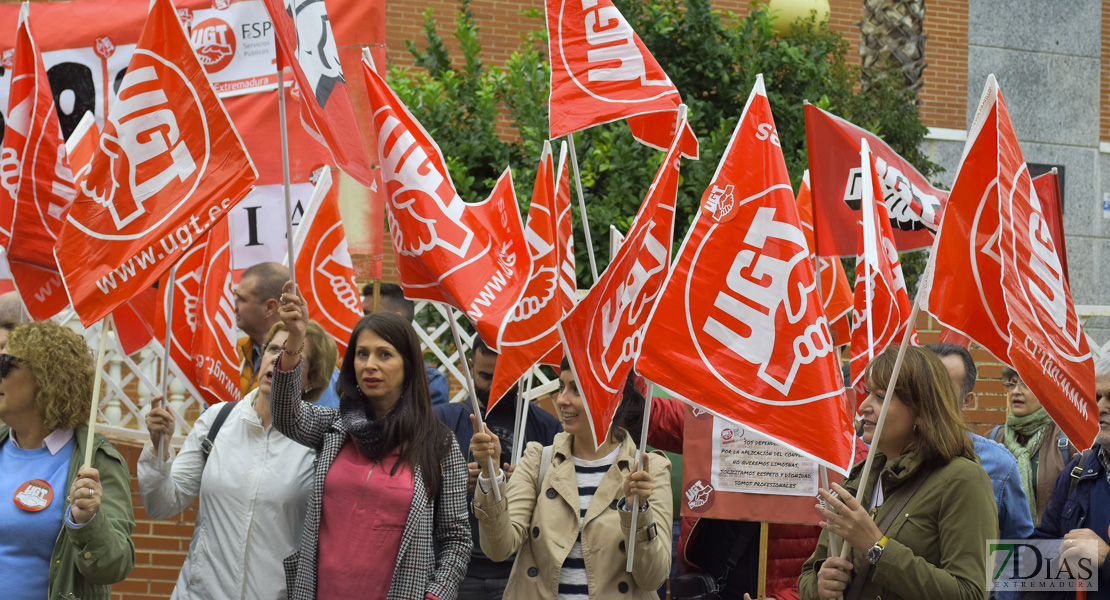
[366,484]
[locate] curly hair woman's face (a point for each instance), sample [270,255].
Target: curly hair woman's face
[17,393]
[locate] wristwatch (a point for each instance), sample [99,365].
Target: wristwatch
[874,553]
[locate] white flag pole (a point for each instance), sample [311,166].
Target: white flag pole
[639,465]
[526,405]
[867,204]
[582,206]
[165,381]
[97,379]
[285,178]
[517,428]
[490,464]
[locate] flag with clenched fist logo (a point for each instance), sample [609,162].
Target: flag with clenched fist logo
[739,328]
[836,294]
[995,276]
[184,311]
[325,273]
[215,359]
[36,180]
[470,256]
[604,333]
[881,310]
[169,165]
[602,72]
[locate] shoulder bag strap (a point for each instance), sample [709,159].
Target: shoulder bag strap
[897,504]
[206,443]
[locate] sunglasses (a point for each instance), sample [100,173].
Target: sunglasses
[7,361]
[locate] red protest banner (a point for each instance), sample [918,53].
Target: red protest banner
[43,185]
[832,145]
[604,333]
[215,359]
[185,309]
[325,276]
[530,333]
[170,165]
[739,328]
[882,306]
[1052,204]
[471,256]
[602,72]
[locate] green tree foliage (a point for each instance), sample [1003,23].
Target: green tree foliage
[712,57]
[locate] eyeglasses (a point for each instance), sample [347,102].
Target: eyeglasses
[1011,385]
[7,361]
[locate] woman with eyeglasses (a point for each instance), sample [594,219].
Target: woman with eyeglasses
[252,481]
[65,529]
[1040,446]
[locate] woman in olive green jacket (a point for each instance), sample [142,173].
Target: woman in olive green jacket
[67,529]
[936,546]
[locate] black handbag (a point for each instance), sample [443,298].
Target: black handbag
[713,540]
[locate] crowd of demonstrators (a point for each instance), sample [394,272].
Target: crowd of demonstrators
[1080,507]
[486,579]
[388,500]
[1036,441]
[256,310]
[567,511]
[66,531]
[928,507]
[391,298]
[252,481]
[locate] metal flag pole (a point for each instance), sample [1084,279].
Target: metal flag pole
[490,464]
[285,178]
[582,206]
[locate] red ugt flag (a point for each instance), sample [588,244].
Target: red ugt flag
[601,72]
[882,305]
[836,294]
[833,146]
[603,334]
[324,268]
[305,39]
[187,285]
[531,332]
[215,359]
[37,182]
[169,165]
[739,328]
[470,256]
[1017,302]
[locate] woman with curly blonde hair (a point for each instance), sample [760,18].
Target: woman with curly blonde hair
[67,531]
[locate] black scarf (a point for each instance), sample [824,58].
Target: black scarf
[364,427]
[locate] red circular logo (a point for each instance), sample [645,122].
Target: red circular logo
[214,41]
[699,496]
[34,495]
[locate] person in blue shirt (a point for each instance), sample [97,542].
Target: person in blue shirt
[1014,520]
[392,299]
[485,578]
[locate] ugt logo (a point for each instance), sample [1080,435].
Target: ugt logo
[144,141]
[316,50]
[1040,566]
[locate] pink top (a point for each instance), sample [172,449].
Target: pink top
[361,524]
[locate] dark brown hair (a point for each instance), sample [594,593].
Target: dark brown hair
[925,387]
[628,419]
[414,429]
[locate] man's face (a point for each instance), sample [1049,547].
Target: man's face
[250,312]
[482,366]
[957,372]
[1102,388]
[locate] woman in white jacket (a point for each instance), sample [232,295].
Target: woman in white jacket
[253,487]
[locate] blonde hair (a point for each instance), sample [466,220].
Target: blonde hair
[61,365]
[319,362]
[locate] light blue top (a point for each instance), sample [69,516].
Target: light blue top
[1014,521]
[330,397]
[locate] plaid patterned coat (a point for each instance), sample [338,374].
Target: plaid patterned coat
[442,523]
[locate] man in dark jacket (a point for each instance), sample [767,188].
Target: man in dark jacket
[1080,506]
[486,579]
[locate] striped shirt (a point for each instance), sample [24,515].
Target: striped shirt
[572,577]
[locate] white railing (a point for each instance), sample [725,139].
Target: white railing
[130,381]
